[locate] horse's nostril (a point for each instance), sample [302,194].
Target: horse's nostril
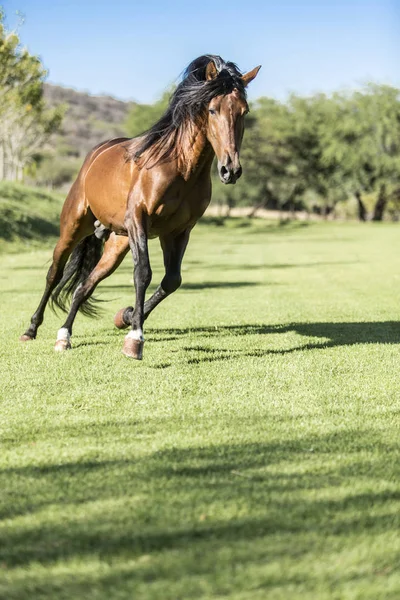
[227,174]
[224,172]
[238,172]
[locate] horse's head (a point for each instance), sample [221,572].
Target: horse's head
[225,126]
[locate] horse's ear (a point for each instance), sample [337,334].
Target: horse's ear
[211,71]
[250,76]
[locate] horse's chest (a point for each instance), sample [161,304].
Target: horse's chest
[175,212]
[170,206]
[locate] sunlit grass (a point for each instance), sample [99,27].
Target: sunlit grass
[252,454]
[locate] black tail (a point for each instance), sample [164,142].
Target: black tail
[81,263]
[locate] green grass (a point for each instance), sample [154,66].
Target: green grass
[253,454]
[28,217]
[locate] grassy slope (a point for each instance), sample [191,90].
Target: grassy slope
[28,216]
[254,452]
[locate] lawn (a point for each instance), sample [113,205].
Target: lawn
[28,216]
[254,453]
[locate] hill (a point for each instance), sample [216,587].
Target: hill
[88,120]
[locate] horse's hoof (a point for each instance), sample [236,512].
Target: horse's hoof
[133,348]
[119,319]
[62,345]
[26,338]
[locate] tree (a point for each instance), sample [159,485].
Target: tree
[25,123]
[364,144]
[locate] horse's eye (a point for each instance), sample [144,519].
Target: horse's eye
[212,111]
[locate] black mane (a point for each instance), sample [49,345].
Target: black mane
[193,93]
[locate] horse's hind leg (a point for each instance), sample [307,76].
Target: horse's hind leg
[115,250]
[75,225]
[54,275]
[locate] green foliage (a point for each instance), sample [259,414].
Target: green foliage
[320,150]
[254,452]
[142,116]
[56,170]
[366,137]
[25,121]
[269,174]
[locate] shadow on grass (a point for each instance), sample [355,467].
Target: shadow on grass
[193,286]
[165,500]
[25,226]
[332,334]
[274,266]
[217,285]
[44,268]
[255,225]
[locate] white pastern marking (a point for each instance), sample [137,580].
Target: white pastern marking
[135,334]
[63,334]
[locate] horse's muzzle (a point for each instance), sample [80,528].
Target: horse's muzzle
[229,174]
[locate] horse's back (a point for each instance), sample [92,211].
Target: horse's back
[98,150]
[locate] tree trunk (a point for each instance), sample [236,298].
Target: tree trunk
[396,201]
[380,204]
[2,157]
[268,200]
[290,204]
[255,208]
[230,204]
[326,211]
[362,211]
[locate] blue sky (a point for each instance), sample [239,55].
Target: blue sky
[134,50]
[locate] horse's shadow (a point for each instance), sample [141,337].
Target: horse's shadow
[331,335]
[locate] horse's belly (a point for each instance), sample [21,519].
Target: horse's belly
[107,185]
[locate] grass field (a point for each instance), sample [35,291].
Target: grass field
[28,216]
[253,454]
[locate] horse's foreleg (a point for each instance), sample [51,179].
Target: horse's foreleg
[173,251]
[115,250]
[134,340]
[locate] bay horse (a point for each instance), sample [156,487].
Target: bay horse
[155,185]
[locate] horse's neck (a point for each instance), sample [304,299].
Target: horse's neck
[196,153]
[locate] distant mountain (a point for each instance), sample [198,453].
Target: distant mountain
[88,120]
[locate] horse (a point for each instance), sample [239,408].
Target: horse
[155,185]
